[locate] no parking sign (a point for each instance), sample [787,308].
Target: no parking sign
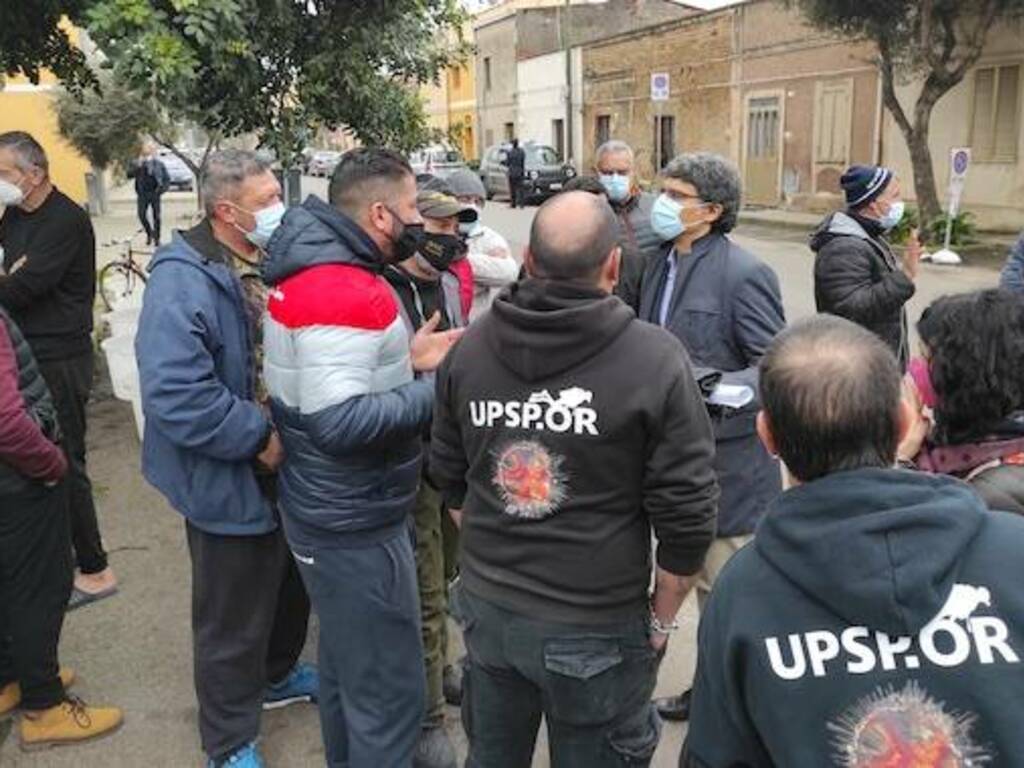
[960,161]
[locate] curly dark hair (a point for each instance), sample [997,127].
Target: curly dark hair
[976,345]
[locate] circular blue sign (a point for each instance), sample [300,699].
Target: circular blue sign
[960,160]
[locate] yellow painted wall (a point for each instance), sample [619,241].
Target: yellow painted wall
[30,110]
[462,106]
[27,107]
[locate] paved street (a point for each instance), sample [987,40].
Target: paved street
[134,650]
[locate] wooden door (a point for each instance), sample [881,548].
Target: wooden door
[763,151]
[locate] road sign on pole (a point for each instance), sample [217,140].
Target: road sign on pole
[660,91]
[959,163]
[660,86]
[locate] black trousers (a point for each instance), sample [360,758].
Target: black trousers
[515,191]
[592,685]
[70,382]
[146,203]
[35,584]
[250,614]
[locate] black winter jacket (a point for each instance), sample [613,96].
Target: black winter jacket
[856,276]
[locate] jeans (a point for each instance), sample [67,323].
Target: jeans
[35,584]
[144,203]
[371,654]
[430,572]
[70,383]
[592,684]
[250,614]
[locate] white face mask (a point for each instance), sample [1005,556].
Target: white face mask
[11,194]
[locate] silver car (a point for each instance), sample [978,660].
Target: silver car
[179,173]
[438,161]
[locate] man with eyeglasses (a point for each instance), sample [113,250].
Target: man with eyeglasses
[724,304]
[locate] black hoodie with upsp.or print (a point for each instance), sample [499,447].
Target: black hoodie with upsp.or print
[876,620]
[561,464]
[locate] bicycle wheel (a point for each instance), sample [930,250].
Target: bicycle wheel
[120,285]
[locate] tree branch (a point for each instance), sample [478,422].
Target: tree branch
[892,102]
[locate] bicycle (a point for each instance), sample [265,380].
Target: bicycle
[122,278]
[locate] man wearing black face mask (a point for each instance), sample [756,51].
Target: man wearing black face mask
[424,285]
[338,366]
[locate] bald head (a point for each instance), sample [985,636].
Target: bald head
[574,235]
[831,395]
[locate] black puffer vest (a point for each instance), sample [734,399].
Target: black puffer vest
[37,401]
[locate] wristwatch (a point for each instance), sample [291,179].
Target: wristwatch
[659,628]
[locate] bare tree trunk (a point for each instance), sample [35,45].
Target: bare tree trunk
[916,135]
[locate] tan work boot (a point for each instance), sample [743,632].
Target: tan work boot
[70,722]
[10,694]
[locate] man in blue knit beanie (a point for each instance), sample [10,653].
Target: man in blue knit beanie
[856,274]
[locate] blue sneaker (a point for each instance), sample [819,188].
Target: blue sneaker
[302,684]
[243,757]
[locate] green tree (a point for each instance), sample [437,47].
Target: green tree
[280,68]
[31,39]
[106,125]
[936,41]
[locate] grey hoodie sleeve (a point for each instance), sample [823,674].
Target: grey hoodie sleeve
[680,490]
[448,460]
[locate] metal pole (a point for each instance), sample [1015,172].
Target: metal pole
[660,143]
[566,15]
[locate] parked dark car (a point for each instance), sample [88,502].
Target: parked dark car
[546,174]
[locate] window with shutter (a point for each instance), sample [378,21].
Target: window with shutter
[995,119]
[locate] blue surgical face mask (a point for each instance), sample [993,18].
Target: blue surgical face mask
[894,216]
[666,218]
[616,185]
[267,221]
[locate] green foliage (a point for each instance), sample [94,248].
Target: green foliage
[933,234]
[963,231]
[31,40]
[281,68]
[106,126]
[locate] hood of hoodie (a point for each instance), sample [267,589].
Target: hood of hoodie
[838,224]
[879,548]
[316,233]
[542,328]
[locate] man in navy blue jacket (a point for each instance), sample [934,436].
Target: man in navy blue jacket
[724,304]
[211,449]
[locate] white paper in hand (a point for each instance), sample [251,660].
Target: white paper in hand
[731,396]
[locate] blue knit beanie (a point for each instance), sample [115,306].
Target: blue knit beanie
[863,183]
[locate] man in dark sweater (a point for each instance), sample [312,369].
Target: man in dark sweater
[877,619]
[856,274]
[48,285]
[558,467]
